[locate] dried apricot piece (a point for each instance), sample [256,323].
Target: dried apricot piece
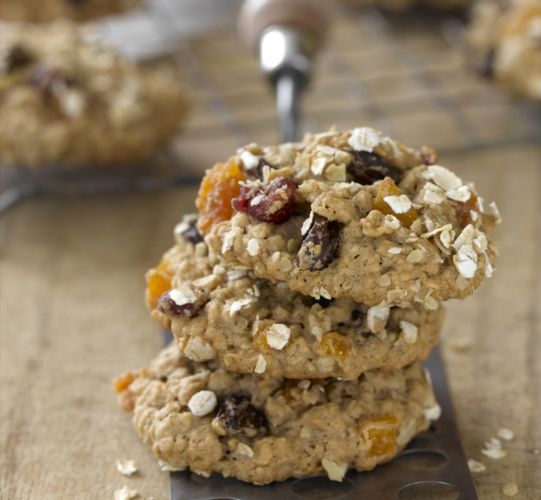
[220,186]
[158,282]
[380,433]
[336,345]
[120,384]
[387,187]
[464,210]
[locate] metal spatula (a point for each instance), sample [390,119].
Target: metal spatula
[287,34]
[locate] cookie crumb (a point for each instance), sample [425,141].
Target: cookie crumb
[125,493]
[126,467]
[336,472]
[475,466]
[202,403]
[510,489]
[493,449]
[505,434]
[459,344]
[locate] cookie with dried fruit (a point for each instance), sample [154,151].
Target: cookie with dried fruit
[199,417]
[331,214]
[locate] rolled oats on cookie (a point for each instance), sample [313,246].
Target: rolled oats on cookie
[250,325]
[68,100]
[352,215]
[270,429]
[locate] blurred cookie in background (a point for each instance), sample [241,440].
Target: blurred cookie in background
[67,99]
[78,10]
[504,44]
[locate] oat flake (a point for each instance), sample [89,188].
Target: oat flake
[336,472]
[261,364]
[399,204]
[125,493]
[253,247]
[202,403]
[493,449]
[278,336]
[126,467]
[510,489]
[505,434]
[409,331]
[364,139]
[475,466]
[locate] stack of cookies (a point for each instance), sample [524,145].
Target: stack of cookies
[303,296]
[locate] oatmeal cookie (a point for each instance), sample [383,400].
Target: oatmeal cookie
[68,100]
[39,11]
[250,325]
[349,214]
[504,44]
[199,417]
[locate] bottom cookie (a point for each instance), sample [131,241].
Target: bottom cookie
[199,417]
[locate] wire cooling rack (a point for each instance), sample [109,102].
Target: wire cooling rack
[402,74]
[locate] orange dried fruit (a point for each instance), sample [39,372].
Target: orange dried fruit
[120,384]
[380,433]
[220,186]
[158,282]
[336,345]
[387,187]
[463,211]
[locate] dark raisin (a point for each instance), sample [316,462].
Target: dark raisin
[260,166]
[274,203]
[16,57]
[168,306]
[367,168]
[191,233]
[320,245]
[47,80]
[323,302]
[238,417]
[357,318]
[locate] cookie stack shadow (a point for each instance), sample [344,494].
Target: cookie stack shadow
[303,297]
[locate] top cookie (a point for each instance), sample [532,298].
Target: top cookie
[504,43]
[38,11]
[399,5]
[68,100]
[349,214]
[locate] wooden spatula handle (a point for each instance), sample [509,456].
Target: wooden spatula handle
[257,15]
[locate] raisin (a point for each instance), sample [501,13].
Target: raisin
[323,302]
[274,203]
[380,433]
[387,187]
[358,317]
[219,187]
[320,244]
[47,80]
[238,417]
[335,345]
[463,210]
[16,57]
[168,306]
[367,168]
[191,233]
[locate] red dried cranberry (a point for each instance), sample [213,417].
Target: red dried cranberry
[168,306]
[320,245]
[237,416]
[274,203]
[367,168]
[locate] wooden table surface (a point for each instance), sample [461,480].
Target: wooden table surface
[71,271]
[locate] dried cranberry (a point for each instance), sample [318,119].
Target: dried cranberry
[320,245]
[168,306]
[237,416]
[367,168]
[274,203]
[16,57]
[49,79]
